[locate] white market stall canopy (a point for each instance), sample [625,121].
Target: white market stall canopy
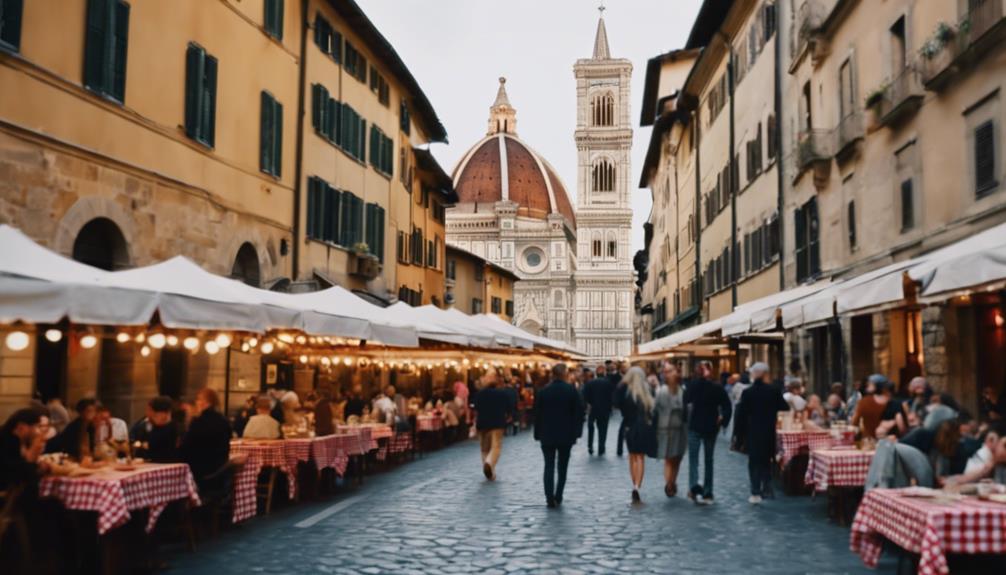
[679,338]
[40,286]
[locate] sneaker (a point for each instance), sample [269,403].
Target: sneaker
[708,500]
[635,496]
[487,470]
[754,500]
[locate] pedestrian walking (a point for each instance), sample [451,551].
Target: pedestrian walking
[614,374]
[754,429]
[636,402]
[598,394]
[672,437]
[709,411]
[558,423]
[492,406]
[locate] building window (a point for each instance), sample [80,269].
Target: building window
[985,159]
[375,230]
[271,135]
[602,110]
[509,308]
[200,95]
[604,176]
[907,205]
[612,248]
[379,86]
[355,62]
[479,273]
[382,151]
[274,18]
[10,24]
[851,209]
[770,136]
[497,305]
[476,305]
[352,134]
[351,221]
[328,40]
[808,255]
[597,248]
[323,211]
[402,247]
[404,118]
[418,245]
[105,47]
[452,269]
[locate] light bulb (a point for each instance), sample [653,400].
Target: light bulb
[466,362]
[144,351]
[53,335]
[326,362]
[141,337]
[285,338]
[122,337]
[191,343]
[157,340]
[211,347]
[348,361]
[253,342]
[245,347]
[17,341]
[171,340]
[301,340]
[303,359]
[267,347]
[223,340]
[88,341]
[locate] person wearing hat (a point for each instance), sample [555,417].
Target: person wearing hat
[754,429]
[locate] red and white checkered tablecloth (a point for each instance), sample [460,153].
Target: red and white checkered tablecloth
[329,451]
[838,468]
[369,432]
[429,423]
[114,493]
[271,453]
[790,443]
[931,528]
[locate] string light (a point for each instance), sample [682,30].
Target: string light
[348,361]
[191,343]
[171,340]
[157,340]
[17,341]
[326,362]
[285,338]
[245,347]
[211,347]
[223,340]
[141,337]
[122,337]
[303,359]
[145,351]
[88,341]
[301,340]
[253,342]
[267,347]
[53,335]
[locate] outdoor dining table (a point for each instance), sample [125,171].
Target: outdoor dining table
[930,527]
[114,493]
[838,468]
[792,443]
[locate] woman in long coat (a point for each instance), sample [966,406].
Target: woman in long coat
[635,400]
[754,429]
[672,437]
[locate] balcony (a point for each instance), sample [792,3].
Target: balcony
[811,15]
[812,147]
[952,48]
[897,100]
[364,265]
[849,132]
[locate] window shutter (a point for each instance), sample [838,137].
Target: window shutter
[193,89]
[336,46]
[94,45]
[277,138]
[985,157]
[346,221]
[265,133]
[380,234]
[10,23]
[274,18]
[907,205]
[312,206]
[316,104]
[800,233]
[813,245]
[210,101]
[321,36]
[852,223]
[363,141]
[374,156]
[120,45]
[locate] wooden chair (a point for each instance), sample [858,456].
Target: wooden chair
[265,488]
[13,519]
[219,501]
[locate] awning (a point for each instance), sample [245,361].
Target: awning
[975,261]
[680,338]
[427,329]
[385,328]
[759,313]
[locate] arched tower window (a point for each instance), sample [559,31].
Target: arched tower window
[602,110]
[612,246]
[604,176]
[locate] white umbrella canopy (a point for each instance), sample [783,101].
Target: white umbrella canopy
[971,262]
[492,321]
[501,336]
[38,285]
[384,327]
[450,323]
[746,317]
[427,329]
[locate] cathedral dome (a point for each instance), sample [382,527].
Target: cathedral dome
[502,167]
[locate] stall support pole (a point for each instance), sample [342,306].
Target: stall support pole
[227,382]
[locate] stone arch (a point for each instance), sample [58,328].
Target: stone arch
[83,212]
[253,238]
[246,267]
[532,327]
[101,244]
[602,109]
[603,175]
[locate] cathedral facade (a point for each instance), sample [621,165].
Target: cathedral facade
[574,265]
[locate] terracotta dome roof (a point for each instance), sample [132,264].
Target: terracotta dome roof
[530,181]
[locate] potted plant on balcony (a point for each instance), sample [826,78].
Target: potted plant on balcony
[363,263]
[873,104]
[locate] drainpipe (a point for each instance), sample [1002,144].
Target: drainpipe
[779,164]
[299,154]
[734,176]
[700,288]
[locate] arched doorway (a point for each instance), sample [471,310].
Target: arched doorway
[246,267]
[101,244]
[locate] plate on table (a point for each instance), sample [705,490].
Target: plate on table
[125,467]
[996,497]
[916,491]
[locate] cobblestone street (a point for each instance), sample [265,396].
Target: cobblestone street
[439,515]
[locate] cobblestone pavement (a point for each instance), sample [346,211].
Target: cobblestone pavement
[439,515]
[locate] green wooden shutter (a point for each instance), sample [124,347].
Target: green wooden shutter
[277,138]
[332,215]
[380,234]
[265,133]
[320,38]
[374,141]
[346,221]
[120,46]
[985,158]
[193,89]
[800,233]
[210,107]
[336,46]
[274,18]
[813,230]
[363,140]
[316,105]
[334,113]
[94,44]
[10,23]
[312,207]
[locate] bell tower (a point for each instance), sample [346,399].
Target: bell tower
[502,116]
[604,277]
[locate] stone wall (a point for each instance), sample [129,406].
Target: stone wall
[934,337]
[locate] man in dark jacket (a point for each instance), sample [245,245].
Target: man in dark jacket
[598,393]
[492,407]
[754,429]
[207,442]
[558,423]
[710,410]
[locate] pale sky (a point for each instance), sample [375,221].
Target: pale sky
[457,50]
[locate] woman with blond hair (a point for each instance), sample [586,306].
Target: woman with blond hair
[672,437]
[636,402]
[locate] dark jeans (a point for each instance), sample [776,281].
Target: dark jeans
[622,427]
[553,490]
[601,421]
[708,444]
[760,473]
